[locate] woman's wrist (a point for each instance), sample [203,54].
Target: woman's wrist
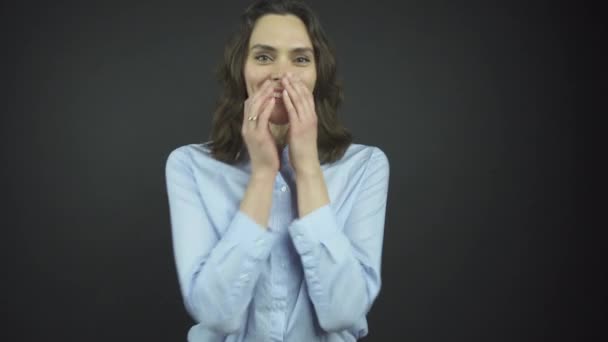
[257,200]
[262,175]
[312,190]
[312,170]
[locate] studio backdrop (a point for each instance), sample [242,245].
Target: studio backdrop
[470,100]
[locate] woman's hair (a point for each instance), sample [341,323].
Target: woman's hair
[226,140]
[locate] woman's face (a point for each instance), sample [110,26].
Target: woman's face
[279,44]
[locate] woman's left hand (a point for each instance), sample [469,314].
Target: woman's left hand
[302,132]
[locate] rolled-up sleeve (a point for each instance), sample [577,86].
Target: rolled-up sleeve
[342,262]
[217,274]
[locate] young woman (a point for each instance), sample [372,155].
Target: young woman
[278,219]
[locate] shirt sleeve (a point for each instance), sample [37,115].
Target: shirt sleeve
[217,274]
[342,264]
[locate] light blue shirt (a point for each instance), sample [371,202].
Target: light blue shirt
[310,278]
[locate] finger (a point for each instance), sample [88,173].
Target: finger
[291,110]
[247,123]
[246,111]
[252,104]
[252,96]
[309,96]
[305,96]
[260,99]
[295,98]
[265,116]
[260,94]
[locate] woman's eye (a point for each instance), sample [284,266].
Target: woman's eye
[262,58]
[302,60]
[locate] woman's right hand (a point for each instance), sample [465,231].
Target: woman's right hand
[256,133]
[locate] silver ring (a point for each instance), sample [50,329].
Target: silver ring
[252,118]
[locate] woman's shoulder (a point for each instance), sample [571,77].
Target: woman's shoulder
[364,153]
[357,158]
[196,159]
[191,153]
[197,150]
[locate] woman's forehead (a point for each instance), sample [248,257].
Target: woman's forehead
[280,32]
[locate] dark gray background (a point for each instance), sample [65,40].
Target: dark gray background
[476,104]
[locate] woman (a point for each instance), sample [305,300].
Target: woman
[278,220]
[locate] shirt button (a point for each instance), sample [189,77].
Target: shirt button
[284,188]
[283,264]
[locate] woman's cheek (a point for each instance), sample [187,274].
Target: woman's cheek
[310,82]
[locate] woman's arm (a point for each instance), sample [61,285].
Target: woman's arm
[217,274]
[312,191]
[342,265]
[257,201]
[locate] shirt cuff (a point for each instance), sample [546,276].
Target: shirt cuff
[251,236]
[317,227]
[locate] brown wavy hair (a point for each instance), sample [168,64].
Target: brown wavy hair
[226,142]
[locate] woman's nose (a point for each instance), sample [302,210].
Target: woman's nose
[281,68]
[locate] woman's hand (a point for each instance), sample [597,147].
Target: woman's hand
[302,132]
[303,154]
[256,133]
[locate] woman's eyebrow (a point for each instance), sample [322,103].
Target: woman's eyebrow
[273,49]
[303,50]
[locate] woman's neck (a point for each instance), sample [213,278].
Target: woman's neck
[279,133]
